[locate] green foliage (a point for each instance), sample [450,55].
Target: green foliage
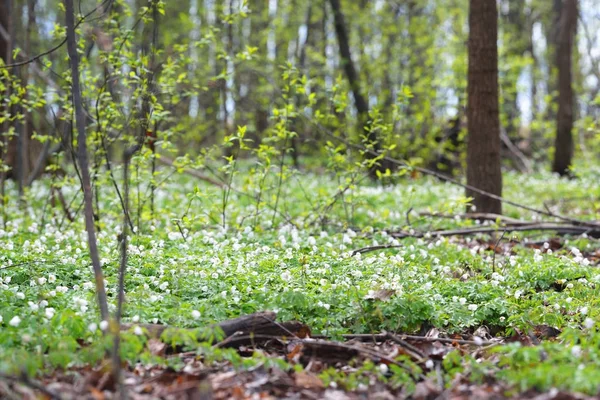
[236,93]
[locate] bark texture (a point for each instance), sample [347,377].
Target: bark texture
[563,145]
[82,158]
[362,107]
[483,149]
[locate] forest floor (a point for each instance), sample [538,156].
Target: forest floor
[414,313]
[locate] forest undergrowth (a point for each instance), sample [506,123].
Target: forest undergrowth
[513,312]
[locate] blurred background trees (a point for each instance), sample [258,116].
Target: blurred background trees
[306,79]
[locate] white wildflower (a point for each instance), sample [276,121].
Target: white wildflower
[518,293]
[286,276]
[195,314]
[49,312]
[15,321]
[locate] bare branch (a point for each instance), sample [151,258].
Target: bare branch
[58,46]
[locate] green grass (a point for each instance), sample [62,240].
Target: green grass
[307,274]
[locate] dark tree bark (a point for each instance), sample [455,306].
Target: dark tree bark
[362,107]
[6,56]
[82,158]
[260,323]
[5,8]
[301,56]
[516,28]
[483,149]
[563,145]
[552,34]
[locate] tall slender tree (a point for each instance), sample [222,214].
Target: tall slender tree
[82,158]
[483,148]
[6,56]
[563,145]
[360,102]
[516,47]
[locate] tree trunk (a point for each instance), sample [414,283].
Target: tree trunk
[552,35]
[563,145]
[6,56]
[360,102]
[516,47]
[483,149]
[82,157]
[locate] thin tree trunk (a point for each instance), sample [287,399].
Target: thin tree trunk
[83,159]
[228,91]
[116,356]
[301,56]
[27,121]
[360,102]
[533,76]
[483,149]
[20,124]
[517,47]
[6,55]
[552,35]
[563,145]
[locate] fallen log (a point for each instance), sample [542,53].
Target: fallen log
[260,323]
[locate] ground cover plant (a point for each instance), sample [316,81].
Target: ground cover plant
[189,273]
[299,199]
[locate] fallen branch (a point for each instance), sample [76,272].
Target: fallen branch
[560,229]
[478,216]
[23,379]
[402,338]
[53,49]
